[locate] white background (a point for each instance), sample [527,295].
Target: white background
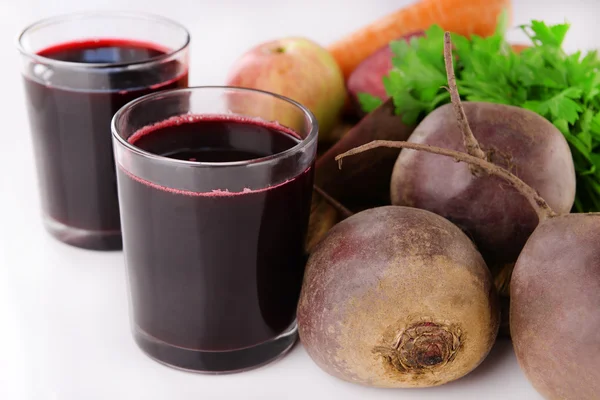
[64,332]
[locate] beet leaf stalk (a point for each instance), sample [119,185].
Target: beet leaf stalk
[471,143]
[540,206]
[340,208]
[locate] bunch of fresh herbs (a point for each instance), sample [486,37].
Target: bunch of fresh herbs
[563,88]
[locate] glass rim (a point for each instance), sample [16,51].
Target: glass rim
[140,15]
[310,138]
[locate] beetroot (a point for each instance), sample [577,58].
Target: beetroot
[397,297]
[365,182]
[555,291]
[483,206]
[514,138]
[555,307]
[368,75]
[555,287]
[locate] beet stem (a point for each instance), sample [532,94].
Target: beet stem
[471,143]
[540,206]
[343,211]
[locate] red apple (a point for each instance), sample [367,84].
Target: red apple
[297,68]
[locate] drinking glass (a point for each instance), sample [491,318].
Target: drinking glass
[78,70]
[215,188]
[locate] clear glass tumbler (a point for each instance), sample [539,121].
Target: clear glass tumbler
[215,188]
[78,70]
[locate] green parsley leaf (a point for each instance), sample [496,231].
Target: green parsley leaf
[368,102]
[542,34]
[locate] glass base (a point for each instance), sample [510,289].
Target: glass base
[216,362]
[85,239]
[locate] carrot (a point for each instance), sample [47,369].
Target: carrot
[465,17]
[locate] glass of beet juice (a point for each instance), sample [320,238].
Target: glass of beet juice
[215,187]
[78,70]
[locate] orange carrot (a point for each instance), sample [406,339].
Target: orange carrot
[465,17]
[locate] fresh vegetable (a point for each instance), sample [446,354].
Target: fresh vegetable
[489,212]
[366,180]
[537,203]
[555,286]
[367,76]
[555,290]
[560,87]
[297,68]
[365,183]
[515,138]
[555,309]
[466,17]
[365,84]
[397,297]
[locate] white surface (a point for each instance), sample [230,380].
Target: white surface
[64,331]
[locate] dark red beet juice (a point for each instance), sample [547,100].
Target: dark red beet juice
[70,108]
[214,274]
